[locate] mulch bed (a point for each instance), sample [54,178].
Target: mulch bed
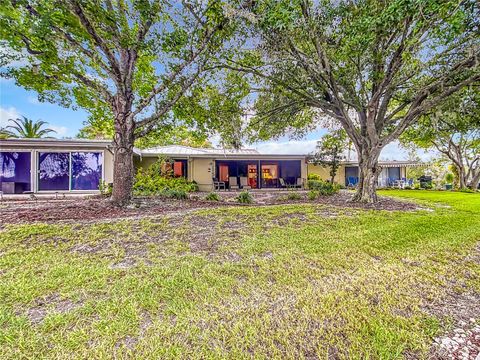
[90,209]
[100,209]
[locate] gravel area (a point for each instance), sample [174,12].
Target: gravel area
[462,343]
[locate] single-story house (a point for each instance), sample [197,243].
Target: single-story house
[347,173]
[79,165]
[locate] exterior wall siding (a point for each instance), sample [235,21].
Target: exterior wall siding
[143,162]
[108,166]
[203,171]
[324,173]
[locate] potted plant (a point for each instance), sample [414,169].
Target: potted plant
[449,180]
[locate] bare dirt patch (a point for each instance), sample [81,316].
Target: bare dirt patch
[49,304]
[462,309]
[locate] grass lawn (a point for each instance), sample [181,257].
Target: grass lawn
[288,281]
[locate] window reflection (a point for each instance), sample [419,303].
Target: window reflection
[53,171]
[15,172]
[86,170]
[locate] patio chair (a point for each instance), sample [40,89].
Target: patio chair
[283,184]
[244,182]
[218,185]
[300,183]
[352,181]
[233,183]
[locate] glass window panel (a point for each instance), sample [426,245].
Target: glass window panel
[86,170]
[269,175]
[394,173]
[53,171]
[15,171]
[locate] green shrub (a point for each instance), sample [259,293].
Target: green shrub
[155,181]
[312,194]
[244,197]
[416,186]
[427,185]
[323,187]
[105,188]
[449,177]
[174,194]
[290,196]
[466,190]
[313,177]
[212,197]
[294,196]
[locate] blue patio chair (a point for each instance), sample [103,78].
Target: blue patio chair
[352,181]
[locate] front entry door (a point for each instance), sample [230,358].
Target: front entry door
[252,176]
[223,173]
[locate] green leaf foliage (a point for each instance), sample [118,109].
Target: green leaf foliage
[330,151]
[323,187]
[157,179]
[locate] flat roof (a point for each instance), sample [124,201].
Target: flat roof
[188,150]
[54,142]
[388,163]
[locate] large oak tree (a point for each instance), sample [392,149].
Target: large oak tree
[132,61]
[453,129]
[374,66]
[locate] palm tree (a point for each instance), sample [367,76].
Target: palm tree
[27,128]
[4,134]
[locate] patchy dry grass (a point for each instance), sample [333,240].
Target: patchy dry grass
[293,281]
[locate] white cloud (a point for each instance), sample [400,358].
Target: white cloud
[8,113]
[61,130]
[286,147]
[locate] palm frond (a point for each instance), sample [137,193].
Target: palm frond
[27,128]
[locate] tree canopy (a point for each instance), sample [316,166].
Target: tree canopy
[453,129]
[330,151]
[372,66]
[130,61]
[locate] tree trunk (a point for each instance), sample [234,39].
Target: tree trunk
[123,171]
[475,180]
[368,176]
[461,177]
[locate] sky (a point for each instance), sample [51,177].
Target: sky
[16,101]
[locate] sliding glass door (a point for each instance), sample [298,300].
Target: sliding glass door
[65,171]
[15,172]
[269,175]
[53,171]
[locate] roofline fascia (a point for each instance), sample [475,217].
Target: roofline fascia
[55,142]
[230,156]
